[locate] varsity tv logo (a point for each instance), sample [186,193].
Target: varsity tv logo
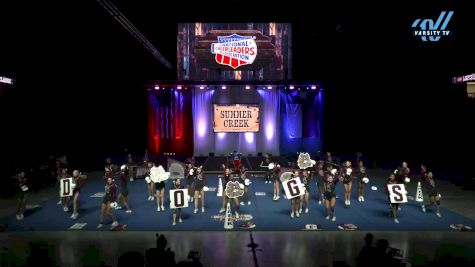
[235,50]
[428,31]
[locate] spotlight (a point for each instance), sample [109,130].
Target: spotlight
[269,87]
[248,87]
[202,87]
[223,87]
[314,87]
[178,87]
[157,87]
[291,87]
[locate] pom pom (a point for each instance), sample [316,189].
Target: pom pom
[24,188]
[271,166]
[349,171]
[440,196]
[247,182]
[241,186]
[114,205]
[147,179]
[395,171]
[407,180]
[191,171]
[205,188]
[333,171]
[123,167]
[365,180]
[374,188]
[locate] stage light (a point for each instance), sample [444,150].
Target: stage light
[269,87]
[248,87]
[157,87]
[178,87]
[223,87]
[314,87]
[291,87]
[202,87]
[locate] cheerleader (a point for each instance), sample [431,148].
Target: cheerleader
[319,176]
[190,179]
[394,206]
[244,175]
[124,191]
[329,194]
[109,169]
[78,179]
[22,190]
[64,200]
[177,211]
[306,178]
[108,203]
[295,202]
[402,174]
[159,186]
[264,164]
[227,177]
[432,191]
[131,167]
[361,178]
[346,177]
[148,166]
[275,176]
[423,173]
[199,190]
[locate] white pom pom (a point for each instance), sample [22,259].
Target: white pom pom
[407,180]
[365,180]
[123,167]
[395,171]
[73,185]
[349,171]
[147,179]
[271,166]
[247,182]
[205,188]
[191,171]
[374,188]
[114,205]
[440,196]
[278,166]
[241,186]
[24,188]
[333,171]
[313,162]
[106,169]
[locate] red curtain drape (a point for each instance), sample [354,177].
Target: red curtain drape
[170,122]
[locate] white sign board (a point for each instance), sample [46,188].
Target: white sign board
[178,198]
[293,188]
[397,193]
[66,187]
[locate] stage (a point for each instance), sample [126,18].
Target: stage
[268,215]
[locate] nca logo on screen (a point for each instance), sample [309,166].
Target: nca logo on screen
[430,31]
[235,50]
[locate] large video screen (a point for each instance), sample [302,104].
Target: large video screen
[234,51]
[236,118]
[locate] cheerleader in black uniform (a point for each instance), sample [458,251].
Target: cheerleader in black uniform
[275,176]
[319,176]
[361,181]
[199,185]
[177,211]
[306,179]
[190,180]
[265,164]
[227,177]
[22,189]
[78,179]
[346,177]
[394,206]
[295,202]
[330,197]
[434,196]
[64,200]
[148,166]
[124,190]
[245,177]
[108,203]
